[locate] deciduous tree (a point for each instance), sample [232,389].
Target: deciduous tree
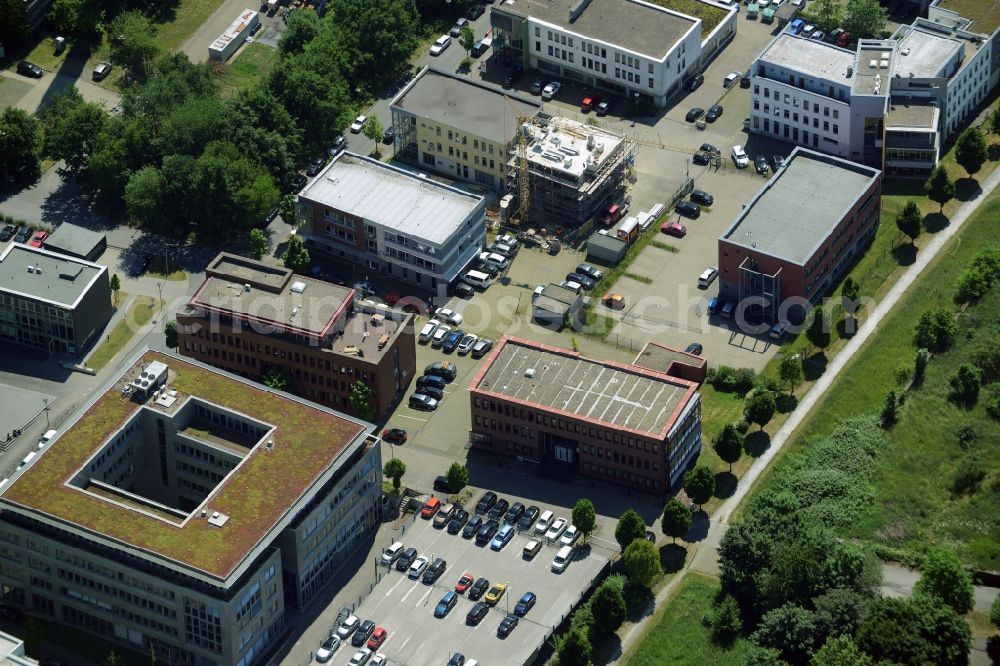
[574,649]
[296,255]
[699,484]
[790,371]
[676,519]
[965,384]
[828,14]
[467,38]
[630,527]
[584,517]
[819,328]
[277,379]
[944,578]
[362,397]
[939,187]
[116,284]
[394,468]
[14,25]
[300,29]
[725,621]
[79,17]
[373,130]
[850,292]
[170,334]
[865,19]
[759,406]
[642,562]
[970,150]
[729,443]
[841,651]
[791,630]
[458,477]
[132,37]
[608,607]
[258,244]
[20,145]
[935,330]
[908,221]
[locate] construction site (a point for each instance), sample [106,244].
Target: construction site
[561,172]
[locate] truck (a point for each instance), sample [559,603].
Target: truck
[613,213]
[628,231]
[482,46]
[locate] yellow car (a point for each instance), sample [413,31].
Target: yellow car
[495,593]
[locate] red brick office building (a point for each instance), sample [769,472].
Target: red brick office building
[250,318]
[621,423]
[797,236]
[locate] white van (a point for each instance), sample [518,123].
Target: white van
[562,558]
[544,521]
[645,219]
[46,438]
[656,211]
[495,260]
[477,279]
[392,553]
[27,459]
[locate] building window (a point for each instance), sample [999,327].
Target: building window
[550,50]
[538,31]
[538,46]
[836,129]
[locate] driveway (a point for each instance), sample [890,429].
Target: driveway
[73,71]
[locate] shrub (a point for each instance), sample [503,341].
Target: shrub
[730,380]
[995,612]
[985,355]
[890,408]
[935,330]
[902,375]
[991,401]
[965,384]
[966,434]
[725,622]
[920,361]
[968,477]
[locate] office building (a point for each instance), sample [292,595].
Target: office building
[185,522]
[74,241]
[797,236]
[255,319]
[457,126]
[392,221]
[624,424]
[632,49]
[52,302]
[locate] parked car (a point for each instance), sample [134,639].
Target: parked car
[482,347]
[591,272]
[451,340]
[440,333]
[449,316]
[464,582]
[514,513]
[495,593]
[468,341]
[8,232]
[556,529]
[694,114]
[818,35]
[389,135]
[447,602]
[457,659]
[499,509]
[760,164]
[314,167]
[502,538]
[433,381]
[528,518]
[486,532]
[731,78]
[362,634]
[377,638]
[456,29]
[569,536]
[844,39]
[463,290]
[486,502]
[430,508]
[745,79]
[39,238]
[613,301]
[531,549]
[808,29]
[360,658]
[710,149]
[740,157]
[701,159]
[327,648]
[675,229]
[551,90]
[427,332]
[695,348]
[29,69]
[348,627]
[513,75]
[394,435]
[472,527]
[406,559]
[458,521]
[444,515]
[777,161]
[525,604]
[507,625]
[581,280]
[358,124]
[418,567]
[714,113]
[688,209]
[434,571]
[339,143]
[694,82]
[604,106]
[476,614]
[439,46]
[432,391]
[476,11]
[795,27]
[441,484]
[423,402]
[707,276]
[713,305]
[536,86]
[702,197]
[442,369]
[101,71]
[478,588]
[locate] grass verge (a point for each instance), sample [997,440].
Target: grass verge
[138,315]
[249,66]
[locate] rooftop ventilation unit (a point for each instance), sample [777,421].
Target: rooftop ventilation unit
[246,287]
[298,287]
[529,373]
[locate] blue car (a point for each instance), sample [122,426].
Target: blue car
[452,339]
[503,536]
[447,602]
[713,305]
[796,26]
[524,605]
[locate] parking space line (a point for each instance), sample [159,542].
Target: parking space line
[415,418]
[402,579]
[423,598]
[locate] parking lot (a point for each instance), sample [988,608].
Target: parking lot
[405,607]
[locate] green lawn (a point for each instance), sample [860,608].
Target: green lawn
[709,15]
[139,314]
[187,18]
[679,638]
[249,66]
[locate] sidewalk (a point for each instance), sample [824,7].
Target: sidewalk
[705,558]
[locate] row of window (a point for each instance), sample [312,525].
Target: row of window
[794,117]
[620,475]
[116,593]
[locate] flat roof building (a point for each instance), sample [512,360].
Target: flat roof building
[799,233]
[174,521]
[474,123]
[556,306]
[392,221]
[626,424]
[255,319]
[75,241]
[50,301]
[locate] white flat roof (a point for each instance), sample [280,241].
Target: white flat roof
[394,198]
[234,30]
[810,57]
[562,145]
[924,55]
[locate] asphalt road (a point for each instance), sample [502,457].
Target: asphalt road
[72,72]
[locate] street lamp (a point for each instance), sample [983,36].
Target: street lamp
[45,401]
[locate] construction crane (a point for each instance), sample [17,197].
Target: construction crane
[523,184]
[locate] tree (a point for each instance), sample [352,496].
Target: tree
[574,649]
[828,13]
[458,477]
[995,612]
[132,37]
[14,25]
[584,517]
[908,221]
[258,243]
[115,285]
[608,607]
[379,37]
[850,293]
[144,198]
[114,659]
[790,371]
[920,361]
[725,621]
[995,122]
[865,19]
[840,612]
[362,398]
[373,130]
[944,578]
[819,328]
[170,334]
[277,379]
[300,29]
[914,631]
[797,568]
[394,469]
[965,384]
[630,527]
[890,408]
[76,16]
[467,38]
[935,330]
[970,150]
[759,406]
[296,255]
[642,562]
[789,629]
[699,484]
[74,130]
[729,443]
[841,651]
[286,209]
[939,187]
[676,519]
[20,145]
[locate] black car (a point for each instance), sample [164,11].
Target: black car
[472,527]
[745,79]
[528,518]
[760,163]
[713,113]
[406,559]
[423,402]
[434,571]
[441,484]
[446,370]
[486,502]
[457,659]
[476,11]
[477,613]
[694,348]
[594,274]
[458,521]
[514,513]
[710,149]
[513,75]
[478,589]
[424,381]
[694,114]
[701,159]
[339,143]
[29,69]
[695,82]
[777,161]
[389,135]
[506,626]
[486,532]
[463,290]
[363,633]
[499,509]
[314,167]
[581,280]
[8,233]
[24,233]
[433,392]
[688,209]
[702,197]
[298,183]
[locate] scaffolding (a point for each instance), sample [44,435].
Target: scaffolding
[569,170]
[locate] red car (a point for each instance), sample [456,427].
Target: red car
[394,435]
[38,239]
[377,638]
[464,582]
[674,229]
